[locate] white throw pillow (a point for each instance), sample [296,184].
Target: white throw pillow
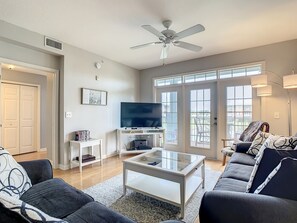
[278,142]
[14,180]
[29,212]
[258,142]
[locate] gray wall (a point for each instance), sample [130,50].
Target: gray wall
[77,70]
[280,58]
[21,77]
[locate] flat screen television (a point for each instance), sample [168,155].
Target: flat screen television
[137,115]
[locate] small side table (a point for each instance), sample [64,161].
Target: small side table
[80,145]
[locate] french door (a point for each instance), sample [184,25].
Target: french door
[172,114]
[189,118]
[201,119]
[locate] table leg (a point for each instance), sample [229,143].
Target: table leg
[124,181]
[80,159]
[100,151]
[182,198]
[203,173]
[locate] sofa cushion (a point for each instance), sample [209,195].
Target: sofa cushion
[230,184]
[267,161]
[280,182]
[238,171]
[278,142]
[14,180]
[26,211]
[243,158]
[95,212]
[56,198]
[258,142]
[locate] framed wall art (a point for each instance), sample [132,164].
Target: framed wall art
[93,97]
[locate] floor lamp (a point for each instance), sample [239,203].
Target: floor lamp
[263,89]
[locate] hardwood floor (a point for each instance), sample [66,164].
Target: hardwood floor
[94,174]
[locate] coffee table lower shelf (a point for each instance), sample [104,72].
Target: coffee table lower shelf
[164,190]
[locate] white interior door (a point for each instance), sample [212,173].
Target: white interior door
[28,119]
[172,114]
[201,119]
[10,116]
[19,108]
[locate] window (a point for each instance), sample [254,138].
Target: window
[240,71]
[204,76]
[168,81]
[169,116]
[239,110]
[200,118]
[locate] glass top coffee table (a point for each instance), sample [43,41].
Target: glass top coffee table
[165,175]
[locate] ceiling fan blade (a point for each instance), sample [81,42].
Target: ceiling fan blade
[144,45]
[187,46]
[164,52]
[188,32]
[153,31]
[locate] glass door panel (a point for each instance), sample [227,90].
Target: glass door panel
[201,119]
[171,116]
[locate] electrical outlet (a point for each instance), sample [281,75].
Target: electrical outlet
[68,114]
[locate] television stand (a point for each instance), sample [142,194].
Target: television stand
[125,137]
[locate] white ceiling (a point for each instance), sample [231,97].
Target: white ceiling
[109,27]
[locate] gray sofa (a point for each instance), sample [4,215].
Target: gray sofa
[58,199]
[228,202]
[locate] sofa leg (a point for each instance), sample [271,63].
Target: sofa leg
[224,160]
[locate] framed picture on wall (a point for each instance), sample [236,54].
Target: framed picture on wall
[93,97]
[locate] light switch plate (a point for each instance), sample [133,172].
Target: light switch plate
[68,114]
[276,115]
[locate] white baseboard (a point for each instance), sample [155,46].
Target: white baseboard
[64,167]
[42,149]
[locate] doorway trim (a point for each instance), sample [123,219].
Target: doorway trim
[53,74]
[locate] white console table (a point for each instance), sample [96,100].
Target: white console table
[80,145]
[157,134]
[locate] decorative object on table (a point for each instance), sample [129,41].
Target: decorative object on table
[248,135]
[93,97]
[82,135]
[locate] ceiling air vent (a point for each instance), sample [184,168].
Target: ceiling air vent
[53,43]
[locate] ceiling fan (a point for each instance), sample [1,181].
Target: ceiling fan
[168,36]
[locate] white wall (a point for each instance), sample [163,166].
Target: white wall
[77,70]
[280,58]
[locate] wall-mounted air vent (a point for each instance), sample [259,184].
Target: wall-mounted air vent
[53,43]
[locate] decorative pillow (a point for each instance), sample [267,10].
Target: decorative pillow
[258,142]
[14,180]
[28,212]
[280,182]
[267,161]
[278,142]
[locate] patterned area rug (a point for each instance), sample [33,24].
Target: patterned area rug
[144,209]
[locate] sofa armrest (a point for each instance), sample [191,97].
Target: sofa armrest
[243,147]
[234,207]
[38,170]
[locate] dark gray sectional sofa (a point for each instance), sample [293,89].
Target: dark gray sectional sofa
[58,199]
[228,202]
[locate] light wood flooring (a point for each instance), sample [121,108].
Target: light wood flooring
[94,174]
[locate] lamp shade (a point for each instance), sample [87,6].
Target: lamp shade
[264,91]
[259,81]
[290,81]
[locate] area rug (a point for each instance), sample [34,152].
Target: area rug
[144,209]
